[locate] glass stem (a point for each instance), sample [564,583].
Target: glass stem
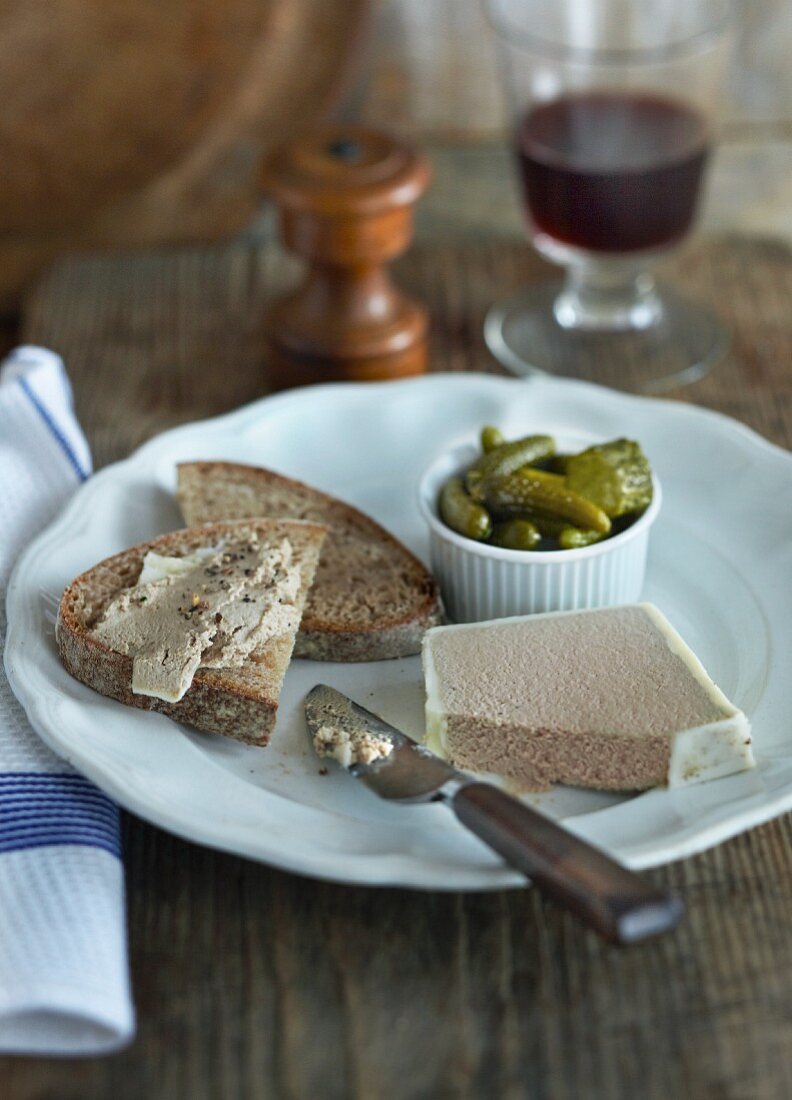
[608,295]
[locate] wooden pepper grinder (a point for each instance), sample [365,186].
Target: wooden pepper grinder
[345,198]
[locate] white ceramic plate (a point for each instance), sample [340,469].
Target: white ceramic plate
[720,567]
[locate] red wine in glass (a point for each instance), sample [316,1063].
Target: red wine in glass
[612,171]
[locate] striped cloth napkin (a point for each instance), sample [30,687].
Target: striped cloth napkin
[64,984]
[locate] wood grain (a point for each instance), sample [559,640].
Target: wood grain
[345,197]
[250,982]
[618,903]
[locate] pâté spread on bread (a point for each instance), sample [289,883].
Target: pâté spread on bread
[212,607]
[213,657]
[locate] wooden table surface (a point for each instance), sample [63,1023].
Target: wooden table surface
[251,982]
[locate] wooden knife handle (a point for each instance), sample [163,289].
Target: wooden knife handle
[616,902]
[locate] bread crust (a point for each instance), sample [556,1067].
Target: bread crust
[237,702]
[205,489]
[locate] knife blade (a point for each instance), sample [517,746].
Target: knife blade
[409,773]
[613,900]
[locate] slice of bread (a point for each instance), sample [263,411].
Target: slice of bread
[237,702]
[371,600]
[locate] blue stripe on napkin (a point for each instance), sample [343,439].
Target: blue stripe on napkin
[37,810]
[48,419]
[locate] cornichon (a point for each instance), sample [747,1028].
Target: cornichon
[516,534]
[523,494]
[549,527]
[572,538]
[616,476]
[535,491]
[507,458]
[463,514]
[491,438]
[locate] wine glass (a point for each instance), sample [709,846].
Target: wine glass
[612,104]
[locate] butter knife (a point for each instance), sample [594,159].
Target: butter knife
[614,901]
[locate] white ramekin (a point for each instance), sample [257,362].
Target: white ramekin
[486,582]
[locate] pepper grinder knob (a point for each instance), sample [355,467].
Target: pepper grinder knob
[345,200]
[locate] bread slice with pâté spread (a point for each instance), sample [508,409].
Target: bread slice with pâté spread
[198,624]
[371,599]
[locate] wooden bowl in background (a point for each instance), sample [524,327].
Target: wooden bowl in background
[146,122]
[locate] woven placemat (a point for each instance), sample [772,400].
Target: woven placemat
[155,339]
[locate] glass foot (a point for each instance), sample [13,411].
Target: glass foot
[679,345]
